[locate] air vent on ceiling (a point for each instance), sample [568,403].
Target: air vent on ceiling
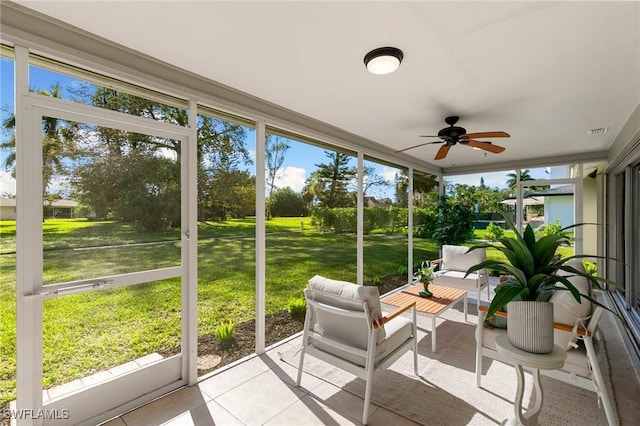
[598,131]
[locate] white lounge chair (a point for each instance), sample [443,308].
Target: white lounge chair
[345,327]
[453,266]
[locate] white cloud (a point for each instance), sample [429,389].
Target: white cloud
[389,173]
[7,183]
[293,177]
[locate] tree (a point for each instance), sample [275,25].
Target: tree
[285,202]
[58,141]
[331,180]
[221,150]
[372,180]
[454,221]
[424,189]
[525,174]
[275,152]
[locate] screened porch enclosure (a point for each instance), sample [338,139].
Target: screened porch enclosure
[202,209]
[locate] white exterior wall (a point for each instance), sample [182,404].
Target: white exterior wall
[7,213]
[560,207]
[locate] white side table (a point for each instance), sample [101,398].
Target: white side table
[534,362]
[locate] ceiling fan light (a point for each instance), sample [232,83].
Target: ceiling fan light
[383,60]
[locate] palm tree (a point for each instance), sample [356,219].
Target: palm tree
[511,182]
[58,141]
[422,184]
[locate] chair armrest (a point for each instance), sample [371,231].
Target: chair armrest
[393,314]
[556,325]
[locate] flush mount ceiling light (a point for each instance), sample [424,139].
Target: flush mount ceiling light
[383,60]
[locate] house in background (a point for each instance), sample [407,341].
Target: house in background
[7,208]
[558,204]
[61,209]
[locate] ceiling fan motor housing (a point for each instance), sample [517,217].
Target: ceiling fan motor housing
[453,132]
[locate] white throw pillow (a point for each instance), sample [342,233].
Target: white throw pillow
[566,310]
[456,258]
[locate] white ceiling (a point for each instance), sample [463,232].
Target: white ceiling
[545,72]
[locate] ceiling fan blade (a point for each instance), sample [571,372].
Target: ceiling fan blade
[486,135]
[442,152]
[419,145]
[487,146]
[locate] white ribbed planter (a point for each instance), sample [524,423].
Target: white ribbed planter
[530,326]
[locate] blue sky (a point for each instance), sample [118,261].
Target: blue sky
[300,160]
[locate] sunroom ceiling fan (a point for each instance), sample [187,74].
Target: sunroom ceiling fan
[453,135]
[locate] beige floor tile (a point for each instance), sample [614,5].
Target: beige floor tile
[310,412]
[274,353]
[210,414]
[259,399]
[166,408]
[289,375]
[224,381]
[341,401]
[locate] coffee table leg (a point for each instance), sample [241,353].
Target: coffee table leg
[433,333]
[465,307]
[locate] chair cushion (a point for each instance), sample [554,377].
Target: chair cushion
[456,258]
[398,331]
[368,294]
[566,310]
[456,279]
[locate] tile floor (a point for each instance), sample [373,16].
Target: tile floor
[260,390]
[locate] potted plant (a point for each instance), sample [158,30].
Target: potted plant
[532,266]
[424,275]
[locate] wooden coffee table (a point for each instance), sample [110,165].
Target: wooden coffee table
[443,298]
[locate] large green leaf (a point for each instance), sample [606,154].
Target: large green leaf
[503,296]
[512,227]
[500,266]
[545,248]
[529,237]
[509,251]
[522,256]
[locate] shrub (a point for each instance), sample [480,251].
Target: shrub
[402,270]
[590,267]
[285,202]
[553,228]
[454,222]
[345,220]
[494,232]
[225,331]
[296,306]
[376,280]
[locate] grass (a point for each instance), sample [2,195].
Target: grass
[89,332]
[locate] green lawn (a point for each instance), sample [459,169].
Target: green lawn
[89,332]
